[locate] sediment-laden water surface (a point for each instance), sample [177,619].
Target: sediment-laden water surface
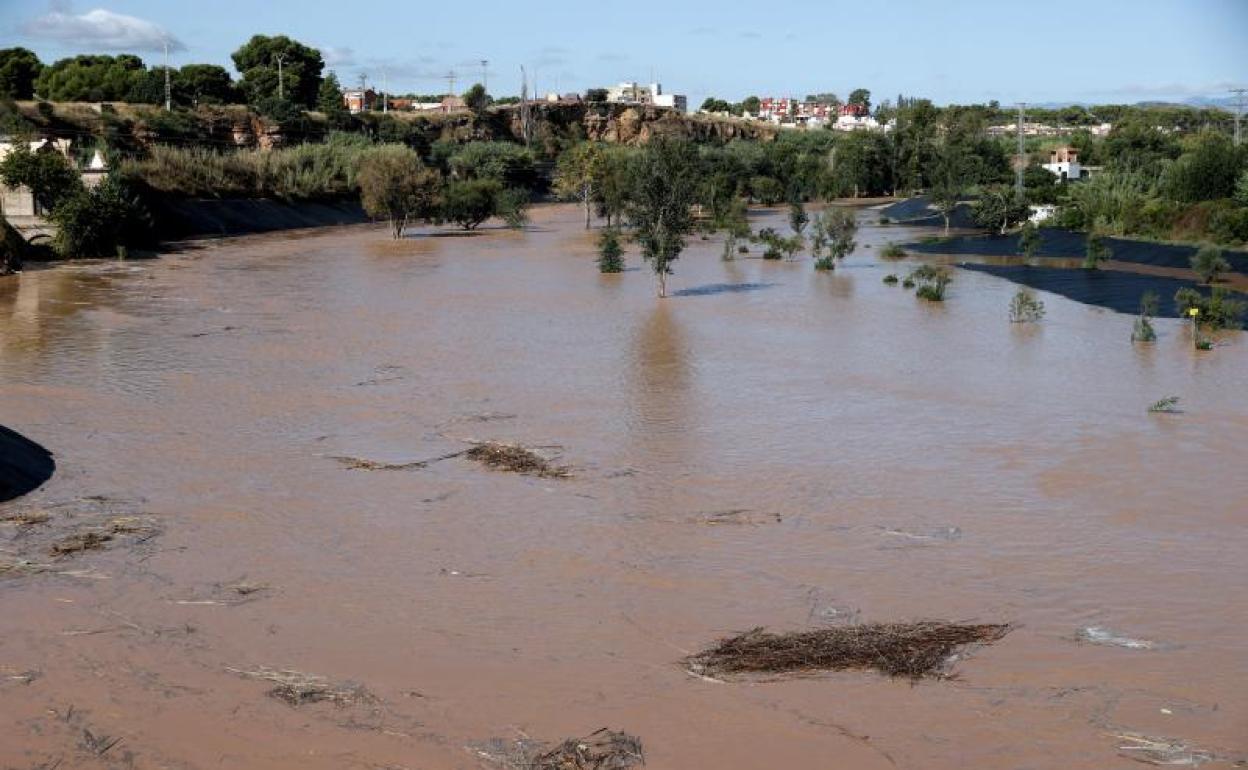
[239,509]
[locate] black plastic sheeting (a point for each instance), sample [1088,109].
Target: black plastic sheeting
[919,212]
[1112,289]
[1070,244]
[24,465]
[197,218]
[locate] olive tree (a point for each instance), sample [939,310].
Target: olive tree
[395,185]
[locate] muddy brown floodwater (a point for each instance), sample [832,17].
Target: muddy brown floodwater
[768,447]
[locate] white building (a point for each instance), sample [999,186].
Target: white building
[1064,164]
[633,93]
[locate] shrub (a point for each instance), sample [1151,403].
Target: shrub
[1220,310]
[1096,252]
[908,283]
[1025,308]
[513,207]
[931,281]
[890,279]
[50,177]
[100,222]
[1229,225]
[1208,263]
[834,232]
[885,221]
[766,190]
[395,185]
[1143,330]
[1029,240]
[610,251]
[470,202]
[892,251]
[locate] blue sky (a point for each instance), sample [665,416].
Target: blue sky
[953,51]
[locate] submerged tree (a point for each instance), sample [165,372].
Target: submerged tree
[610,251]
[396,186]
[931,281]
[1025,307]
[470,202]
[663,190]
[1143,330]
[834,231]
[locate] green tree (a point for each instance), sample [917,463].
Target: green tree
[476,98]
[395,185]
[949,179]
[205,84]
[1209,264]
[1220,310]
[664,189]
[798,218]
[100,222]
[301,68]
[470,202]
[19,68]
[834,231]
[579,175]
[999,209]
[1029,240]
[49,175]
[751,104]
[610,251]
[513,206]
[90,78]
[510,164]
[1206,171]
[1096,251]
[596,95]
[329,100]
[861,98]
[1241,187]
[932,282]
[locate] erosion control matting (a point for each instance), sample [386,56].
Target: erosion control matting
[912,650]
[1070,244]
[918,211]
[24,465]
[1112,289]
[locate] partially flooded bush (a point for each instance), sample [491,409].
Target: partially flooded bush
[1220,310]
[931,281]
[1143,330]
[1025,307]
[890,279]
[892,251]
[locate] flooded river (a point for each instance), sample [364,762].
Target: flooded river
[768,447]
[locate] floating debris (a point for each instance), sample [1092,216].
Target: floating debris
[83,541]
[1104,636]
[904,538]
[601,750]
[912,650]
[739,516]
[1167,405]
[296,688]
[1162,751]
[360,464]
[26,518]
[516,459]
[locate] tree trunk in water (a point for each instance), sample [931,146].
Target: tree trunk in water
[662,285]
[588,210]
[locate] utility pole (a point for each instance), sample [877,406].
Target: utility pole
[1239,111]
[281,94]
[450,82]
[485,75]
[1022,158]
[526,118]
[385,91]
[169,91]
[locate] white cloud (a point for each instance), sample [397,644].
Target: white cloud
[100,30]
[338,56]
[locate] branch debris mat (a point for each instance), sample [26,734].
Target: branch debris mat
[911,650]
